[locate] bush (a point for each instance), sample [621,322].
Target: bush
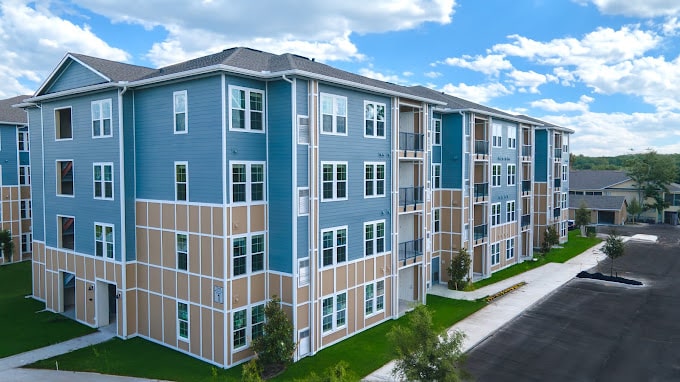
[459,270]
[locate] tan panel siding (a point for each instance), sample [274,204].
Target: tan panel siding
[154,215]
[206,257]
[195,329]
[142,276]
[182,286]
[257,218]
[341,277]
[169,259]
[155,279]
[168,216]
[194,218]
[206,333]
[218,336]
[169,283]
[170,321]
[218,259]
[140,215]
[217,215]
[239,292]
[206,220]
[195,289]
[143,312]
[131,300]
[239,220]
[142,245]
[154,247]
[257,288]
[207,292]
[181,217]
[287,292]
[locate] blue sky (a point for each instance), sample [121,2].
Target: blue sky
[609,69]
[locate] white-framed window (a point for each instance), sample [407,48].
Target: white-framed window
[303,272]
[436,176]
[302,130]
[26,242]
[303,201]
[512,174]
[182,321]
[334,312]
[333,114]
[495,175]
[22,140]
[63,123]
[24,175]
[334,178]
[257,321]
[512,137]
[247,323]
[509,248]
[25,209]
[495,214]
[437,128]
[240,328]
[247,182]
[374,238]
[247,247]
[65,178]
[103,180]
[180,112]
[565,172]
[181,181]
[182,250]
[497,135]
[103,240]
[565,143]
[510,213]
[101,118]
[374,179]
[246,109]
[563,229]
[374,119]
[564,200]
[436,221]
[65,231]
[333,246]
[495,253]
[374,298]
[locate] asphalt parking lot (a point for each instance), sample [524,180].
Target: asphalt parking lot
[592,330]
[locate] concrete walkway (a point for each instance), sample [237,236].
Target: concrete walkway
[540,282]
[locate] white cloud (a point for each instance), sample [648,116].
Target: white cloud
[382,77]
[433,74]
[491,64]
[632,8]
[530,80]
[477,93]
[554,106]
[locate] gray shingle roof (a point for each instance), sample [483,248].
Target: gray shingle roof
[116,71]
[597,202]
[595,179]
[13,114]
[674,188]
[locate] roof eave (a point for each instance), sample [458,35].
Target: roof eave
[491,114]
[30,101]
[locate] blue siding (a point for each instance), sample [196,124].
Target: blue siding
[505,156]
[451,151]
[129,170]
[8,155]
[303,237]
[73,75]
[157,147]
[355,149]
[302,106]
[280,169]
[541,156]
[37,201]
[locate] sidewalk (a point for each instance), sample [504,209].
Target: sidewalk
[540,282]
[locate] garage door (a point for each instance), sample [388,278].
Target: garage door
[605,217]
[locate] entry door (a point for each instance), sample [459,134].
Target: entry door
[435,270]
[305,347]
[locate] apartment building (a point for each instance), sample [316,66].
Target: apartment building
[173,203]
[15,178]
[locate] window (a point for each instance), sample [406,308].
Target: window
[497,135]
[495,214]
[103,181]
[257,321]
[65,228]
[181,116]
[374,117]
[437,220]
[512,137]
[564,200]
[333,114]
[25,209]
[437,126]
[101,119]
[512,174]
[565,173]
[334,246]
[103,240]
[62,123]
[510,211]
[65,177]
[436,176]
[182,249]
[509,248]
[496,175]
[303,272]
[303,130]
[374,238]
[251,246]
[374,178]
[246,109]
[495,253]
[563,229]
[23,141]
[247,182]
[303,201]
[240,326]
[182,320]
[26,242]
[334,312]
[334,180]
[374,298]
[181,181]
[25,175]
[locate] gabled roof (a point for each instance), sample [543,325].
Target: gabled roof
[597,202]
[12,115]
[674,188]
[547,125]
[595,179]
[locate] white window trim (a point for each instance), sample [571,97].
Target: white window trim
[186,112]
[103,182]
[298,201]
[499,175]
[436,174]
[512,137]
[27,207]
[436,220]
[247,121]
[375,298]
[28,238]
[27,175]
[335,181]
[60,233]
[375,223]
[334,230]
[177,252]
[25,139]
[188,321]
[58,168]
[563,201]
[375,120]
[174,179]
[496,128]
[436,134]
[100,103]
[334,327]
[498,215]
[304,281]
[509,218]
[248,183]
[334,130]
[491,250]
[510,249]
[565,172]
[299,136]
[55,124]
[514,174]
[249,254]
[248,327]
[375,179]
[104,242]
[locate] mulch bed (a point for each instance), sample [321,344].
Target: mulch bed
[600,276]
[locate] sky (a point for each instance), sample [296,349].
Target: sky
[608,69]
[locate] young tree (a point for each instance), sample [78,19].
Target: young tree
[651,174]
[251,372]
[582,218]
[634,209]
[459,269]
[6,245]
[613,248]
[426,354]
[275,347]
[338,373]
[550,238]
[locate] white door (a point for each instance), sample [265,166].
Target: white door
[304,347]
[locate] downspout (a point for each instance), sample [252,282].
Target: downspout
[123,231]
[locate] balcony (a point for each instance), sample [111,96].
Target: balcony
[411,142]
[481,190]
[526,186]
[410,196]
[526,221]
[526,150]
[480,232]
[482,147]
[558,154]
[557,212]
[558,183]
[410,249]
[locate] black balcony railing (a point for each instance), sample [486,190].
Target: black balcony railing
[556,212]
[482,147]
[526,150]
[481,190]
[410,196]
[526,220]
[558,182]
[558,153]
[526,186]
[411,141]
[480,231]
[410,249]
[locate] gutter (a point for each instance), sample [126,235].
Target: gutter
[491,114]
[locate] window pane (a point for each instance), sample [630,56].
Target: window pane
[256,101]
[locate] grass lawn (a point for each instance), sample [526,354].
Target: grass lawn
[575,246]
[141,358]
[22,328]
